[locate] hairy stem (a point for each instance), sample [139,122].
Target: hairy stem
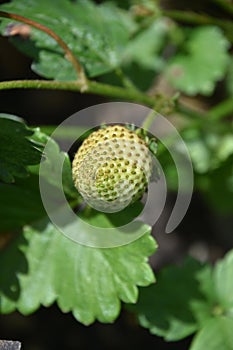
[69,54]
[97,88]
[92,88]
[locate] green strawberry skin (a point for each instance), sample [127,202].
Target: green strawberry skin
[112,168]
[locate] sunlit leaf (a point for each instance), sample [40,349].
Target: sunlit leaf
[97,34]
[43,266]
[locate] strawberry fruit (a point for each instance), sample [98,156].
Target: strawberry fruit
[112,168]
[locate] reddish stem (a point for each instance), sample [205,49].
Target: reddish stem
[69,54]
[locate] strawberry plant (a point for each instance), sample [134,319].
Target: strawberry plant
[76,228]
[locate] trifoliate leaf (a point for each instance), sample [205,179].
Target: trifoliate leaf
[17,150]
[43,266]
[168,307]
[203,64]
[216,334]
[97,34]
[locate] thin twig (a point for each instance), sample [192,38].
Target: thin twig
[69,54]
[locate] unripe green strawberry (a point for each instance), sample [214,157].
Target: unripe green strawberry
[112,168]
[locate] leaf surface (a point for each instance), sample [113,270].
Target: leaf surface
[168,308]
[223,280]
[43,266]
[145,48]
[216,334]
[17,150]
[203,64]
[97,34]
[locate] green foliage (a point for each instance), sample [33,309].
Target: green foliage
[191,298]
[94,280]
[134,46]
[145,48]
[171,315]
[142,57]
[217,187]
[90,282]
[96,34]
[216,334]
[20,203]
[204,62]
[17,150]
[208,149]
[53,152]
[211,150]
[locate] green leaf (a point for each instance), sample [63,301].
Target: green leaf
[145,48]
[223,281]
[142,56]
[20,203]
[217,187]
[208,149]
[55,160]
[216,334]
[43,266]
[97,34]
[17,150]
[117,219]
[204,63]
[167,308]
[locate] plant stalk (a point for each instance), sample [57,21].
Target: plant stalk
[93,87]
[222,110]
[69,54]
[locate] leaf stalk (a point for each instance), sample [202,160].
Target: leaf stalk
[68,53]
